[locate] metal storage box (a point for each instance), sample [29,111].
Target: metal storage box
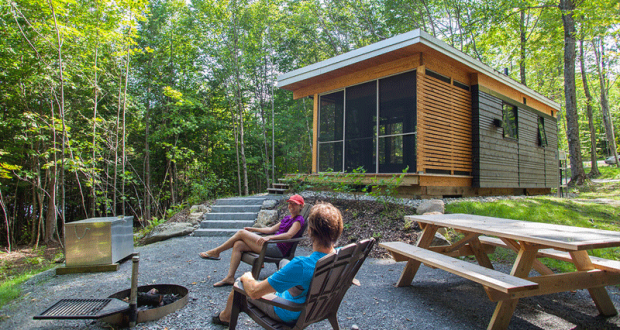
[98,241]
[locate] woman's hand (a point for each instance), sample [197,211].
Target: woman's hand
[251,229]
[245,277]
[261,240]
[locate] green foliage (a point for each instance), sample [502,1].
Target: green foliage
[385,190]
[197,69]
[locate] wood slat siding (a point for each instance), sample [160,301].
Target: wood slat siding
[506,163]
[444,126]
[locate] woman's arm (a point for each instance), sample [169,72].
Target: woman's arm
[266,230]
[255,289]
[290,233]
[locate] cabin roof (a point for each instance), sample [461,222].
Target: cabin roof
[391,49]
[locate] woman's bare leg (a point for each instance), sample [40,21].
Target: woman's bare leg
[225,314]
[235,260]
[247,237]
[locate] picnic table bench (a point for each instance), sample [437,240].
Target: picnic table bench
[531,241]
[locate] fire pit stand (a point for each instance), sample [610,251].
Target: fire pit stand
[115,309]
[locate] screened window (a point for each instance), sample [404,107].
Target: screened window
[397,122]
[542,135]
[371,125]
[331,114]
[360,127]
[510,121]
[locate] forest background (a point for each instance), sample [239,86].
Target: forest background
[138,107]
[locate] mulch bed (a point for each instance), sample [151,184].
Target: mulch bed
[366,219]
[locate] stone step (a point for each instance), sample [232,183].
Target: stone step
[240,201]
[227,224]
[235,208]
[231,216]
[204,232]
[276,191]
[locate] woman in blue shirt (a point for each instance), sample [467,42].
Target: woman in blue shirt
[292,281]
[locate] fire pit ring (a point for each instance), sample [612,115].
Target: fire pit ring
[153,313]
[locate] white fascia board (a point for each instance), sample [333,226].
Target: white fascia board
[401,41]
[352,57]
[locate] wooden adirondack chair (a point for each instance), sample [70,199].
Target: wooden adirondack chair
[333,275]
[258,259]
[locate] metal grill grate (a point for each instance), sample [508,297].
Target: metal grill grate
[75,308]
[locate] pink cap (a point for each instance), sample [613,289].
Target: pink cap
[297,199]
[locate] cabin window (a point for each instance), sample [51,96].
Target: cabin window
[331,114]
[509,122]
[397,123]
[370,126]
[360,127]
[437,76]
[542,136]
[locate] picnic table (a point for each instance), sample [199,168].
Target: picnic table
[531,240]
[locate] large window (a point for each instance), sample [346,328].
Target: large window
[510,121]
[330,132]
[371,125]
[397,122]
[360,123]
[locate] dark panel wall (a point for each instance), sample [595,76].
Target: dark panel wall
[531,156]
[496,160]
[507,163]
[551,153]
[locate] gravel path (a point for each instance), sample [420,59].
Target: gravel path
[439,300]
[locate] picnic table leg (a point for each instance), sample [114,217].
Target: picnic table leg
[505,308]
[413,265]
[599,295]
[539,266]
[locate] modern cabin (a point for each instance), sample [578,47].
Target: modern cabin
[412,101]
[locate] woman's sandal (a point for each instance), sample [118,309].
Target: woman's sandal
[204,255]
[216,320]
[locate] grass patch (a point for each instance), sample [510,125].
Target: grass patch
[10,289]
[610,172]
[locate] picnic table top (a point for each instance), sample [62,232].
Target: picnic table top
[551,235]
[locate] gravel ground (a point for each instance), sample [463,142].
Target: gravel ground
[438,300]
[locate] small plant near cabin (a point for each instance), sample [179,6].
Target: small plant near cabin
[409,225]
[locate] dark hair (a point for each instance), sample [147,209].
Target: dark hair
[324,224]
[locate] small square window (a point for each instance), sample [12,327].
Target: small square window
[509,114]
[542,136]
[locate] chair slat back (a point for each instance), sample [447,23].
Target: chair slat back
[332,278]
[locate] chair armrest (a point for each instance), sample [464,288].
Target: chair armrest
[271,299]
[276,241]
[290,240]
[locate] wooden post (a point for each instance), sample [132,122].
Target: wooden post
[133,296]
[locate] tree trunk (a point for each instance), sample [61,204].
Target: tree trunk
[147,152]
[118,116]
[64,129]
[50,221]
[6,221]
[244,163]
[522,44]
[125,126]
[609,128]
[94,159]
[237,151]
[572,128]
[594,172]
